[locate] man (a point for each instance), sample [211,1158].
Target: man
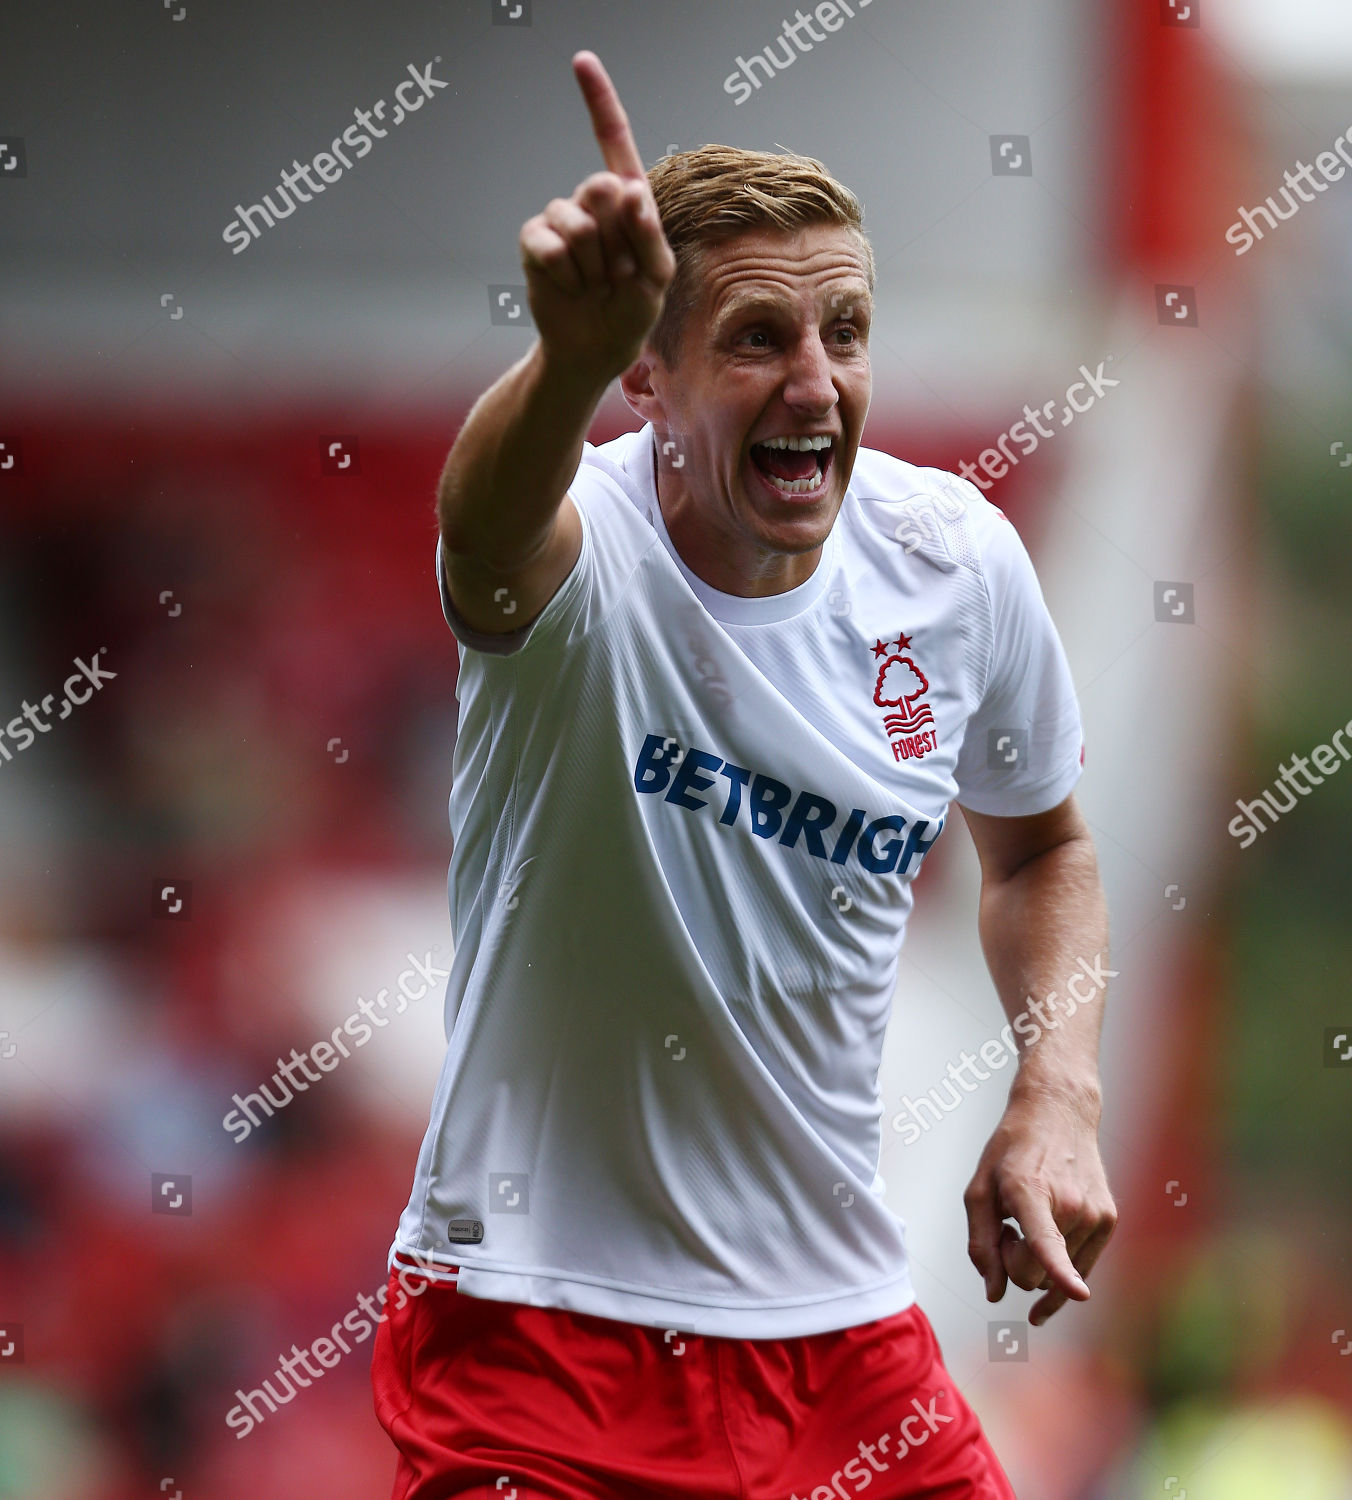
[713,710]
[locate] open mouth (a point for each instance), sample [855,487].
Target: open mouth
[795,466]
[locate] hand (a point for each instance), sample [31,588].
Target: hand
[1041,1167]
[597,264]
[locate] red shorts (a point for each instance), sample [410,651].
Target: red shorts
[503,1401]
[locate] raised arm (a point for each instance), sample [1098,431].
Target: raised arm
[597,265]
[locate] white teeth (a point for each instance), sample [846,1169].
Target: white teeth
[798,486]
[799,444]
[812,483]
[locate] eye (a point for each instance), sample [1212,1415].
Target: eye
[757,333]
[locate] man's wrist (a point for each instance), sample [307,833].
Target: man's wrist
[582,384]
[1077,1090]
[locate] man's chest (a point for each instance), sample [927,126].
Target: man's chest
[890,682]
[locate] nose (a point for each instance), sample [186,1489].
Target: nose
[810,386]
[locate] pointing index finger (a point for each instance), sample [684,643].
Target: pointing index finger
[1040,1230]
[608,118]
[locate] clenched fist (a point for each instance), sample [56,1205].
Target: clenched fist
[597,264]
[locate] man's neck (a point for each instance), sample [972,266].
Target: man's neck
[757,577]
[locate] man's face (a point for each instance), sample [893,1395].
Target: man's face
[776,347]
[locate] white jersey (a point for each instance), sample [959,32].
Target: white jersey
[685,828]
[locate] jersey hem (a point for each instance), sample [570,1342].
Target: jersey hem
[789,1318]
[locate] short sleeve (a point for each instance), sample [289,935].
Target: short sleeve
[554,622]
[1023,749]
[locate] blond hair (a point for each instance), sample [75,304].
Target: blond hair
[715,193]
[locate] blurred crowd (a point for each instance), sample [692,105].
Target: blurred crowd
[283,709]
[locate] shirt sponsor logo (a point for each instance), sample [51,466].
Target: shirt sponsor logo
[901,686]
[885,845]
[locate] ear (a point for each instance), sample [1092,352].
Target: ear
[639,390]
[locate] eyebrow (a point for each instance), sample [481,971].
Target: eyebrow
[741,304]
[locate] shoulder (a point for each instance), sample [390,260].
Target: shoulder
[613,495]
[905,509]
[613,492]
[614,469]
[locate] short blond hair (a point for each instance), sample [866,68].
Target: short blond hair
[715,193]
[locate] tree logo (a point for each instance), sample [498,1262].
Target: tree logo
[901,687]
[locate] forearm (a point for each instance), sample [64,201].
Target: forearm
[512,461]
[1044,931]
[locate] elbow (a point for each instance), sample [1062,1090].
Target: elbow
[455,520]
